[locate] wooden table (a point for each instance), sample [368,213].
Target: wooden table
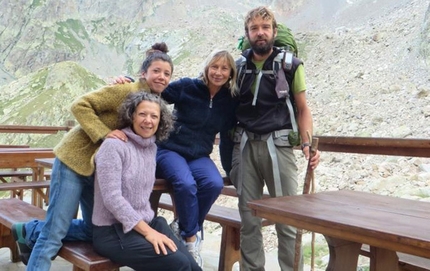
[20,158]
[348,219]
[160,186]
[45,162]
[23,157]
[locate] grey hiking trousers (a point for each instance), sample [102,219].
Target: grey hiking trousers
[254,166]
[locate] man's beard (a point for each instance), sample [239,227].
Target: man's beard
[262,49]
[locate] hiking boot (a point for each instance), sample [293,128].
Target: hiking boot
[18,232]
[194,249]
[174,226]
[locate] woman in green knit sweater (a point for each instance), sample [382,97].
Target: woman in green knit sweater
[72,179]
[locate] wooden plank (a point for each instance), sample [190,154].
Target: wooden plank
[372,145]
[162,186]
[33,129]
[83,256]
[230,190]
[219,214]
[23,150]
[377,203]
[24,185]
[327,213]
[20,173]
[413,263]
[13,146]
[22,158]
[45,162]
[80,254]
[11,211]
[362,221]
[407,262]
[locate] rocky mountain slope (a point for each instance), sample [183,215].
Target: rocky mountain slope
[367,76]
[367,65]
[354,51]
[35,34]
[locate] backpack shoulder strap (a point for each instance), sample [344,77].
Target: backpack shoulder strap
[284,60]
[288,62]
[242,67]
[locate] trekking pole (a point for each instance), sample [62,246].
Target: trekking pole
[309,182]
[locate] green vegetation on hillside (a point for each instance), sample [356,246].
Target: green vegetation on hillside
[43,98]
[70,32]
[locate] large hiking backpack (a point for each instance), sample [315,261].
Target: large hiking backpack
[282,69]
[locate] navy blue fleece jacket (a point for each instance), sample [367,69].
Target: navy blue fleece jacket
[199,118]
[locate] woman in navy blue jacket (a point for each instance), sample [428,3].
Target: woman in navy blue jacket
[204,106]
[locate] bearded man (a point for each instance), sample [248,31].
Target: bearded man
[262,154]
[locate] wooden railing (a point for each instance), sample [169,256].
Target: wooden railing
[35,129]
[374,145]
[365,145]
[2,146]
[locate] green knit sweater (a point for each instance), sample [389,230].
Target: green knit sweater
[97,115]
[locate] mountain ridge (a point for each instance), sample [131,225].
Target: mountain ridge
[42,98]
[352,65]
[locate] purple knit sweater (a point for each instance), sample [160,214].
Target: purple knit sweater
[125,175]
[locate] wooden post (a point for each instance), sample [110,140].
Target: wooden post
[306,190]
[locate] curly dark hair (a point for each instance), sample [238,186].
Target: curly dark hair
[128,107]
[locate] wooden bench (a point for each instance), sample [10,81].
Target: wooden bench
[18,183]
[31,129]
[17,188]
[80,254]
[229,219]
[24,185]
[21,174]
[407,262]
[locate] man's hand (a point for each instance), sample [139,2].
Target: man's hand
[315,160]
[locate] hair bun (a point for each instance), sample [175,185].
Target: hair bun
[158,47]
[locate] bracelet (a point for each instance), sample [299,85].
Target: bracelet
[304,145]
[129,78]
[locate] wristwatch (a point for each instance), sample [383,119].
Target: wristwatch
[304,145]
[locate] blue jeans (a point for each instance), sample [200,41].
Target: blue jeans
[68,189]
[196,184]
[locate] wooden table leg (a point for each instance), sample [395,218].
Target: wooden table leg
[6,240]
[383,259]
[38,175]
[230,248]
[343,254]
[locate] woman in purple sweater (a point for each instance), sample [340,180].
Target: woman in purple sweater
[125,229]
